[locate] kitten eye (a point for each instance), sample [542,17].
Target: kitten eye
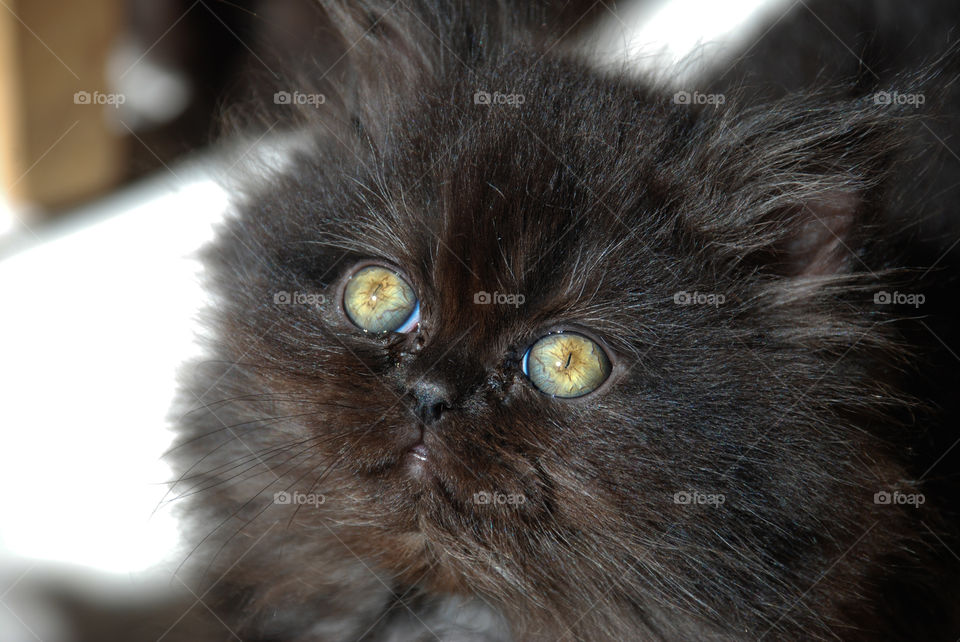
[378,299]
[566,364]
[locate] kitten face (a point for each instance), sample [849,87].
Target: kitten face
[453,468]
[458,229]
[628,375]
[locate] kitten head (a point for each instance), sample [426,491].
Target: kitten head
[532,332]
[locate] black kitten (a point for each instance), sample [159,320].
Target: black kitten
[520,351]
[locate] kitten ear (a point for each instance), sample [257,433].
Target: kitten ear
[392,51]
[346,63]
[329,61]
[795,184]
[367,57]
[818,245]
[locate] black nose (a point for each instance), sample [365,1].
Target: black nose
[431,399]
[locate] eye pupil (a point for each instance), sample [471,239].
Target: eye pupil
[566,364]
[378,299]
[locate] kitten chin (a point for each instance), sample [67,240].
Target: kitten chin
[595,363]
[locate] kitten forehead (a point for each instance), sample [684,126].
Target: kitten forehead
[503,210]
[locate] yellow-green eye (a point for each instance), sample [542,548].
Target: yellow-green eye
[378,299]
[566,364]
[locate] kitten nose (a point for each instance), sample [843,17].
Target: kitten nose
[432,399]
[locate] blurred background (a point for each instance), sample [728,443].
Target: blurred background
[114,170]
[97,93]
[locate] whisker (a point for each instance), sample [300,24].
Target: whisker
[325,472]
[278,450]
[230,517]
[251,520]
[245,423]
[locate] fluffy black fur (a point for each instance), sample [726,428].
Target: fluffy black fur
[598,199]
